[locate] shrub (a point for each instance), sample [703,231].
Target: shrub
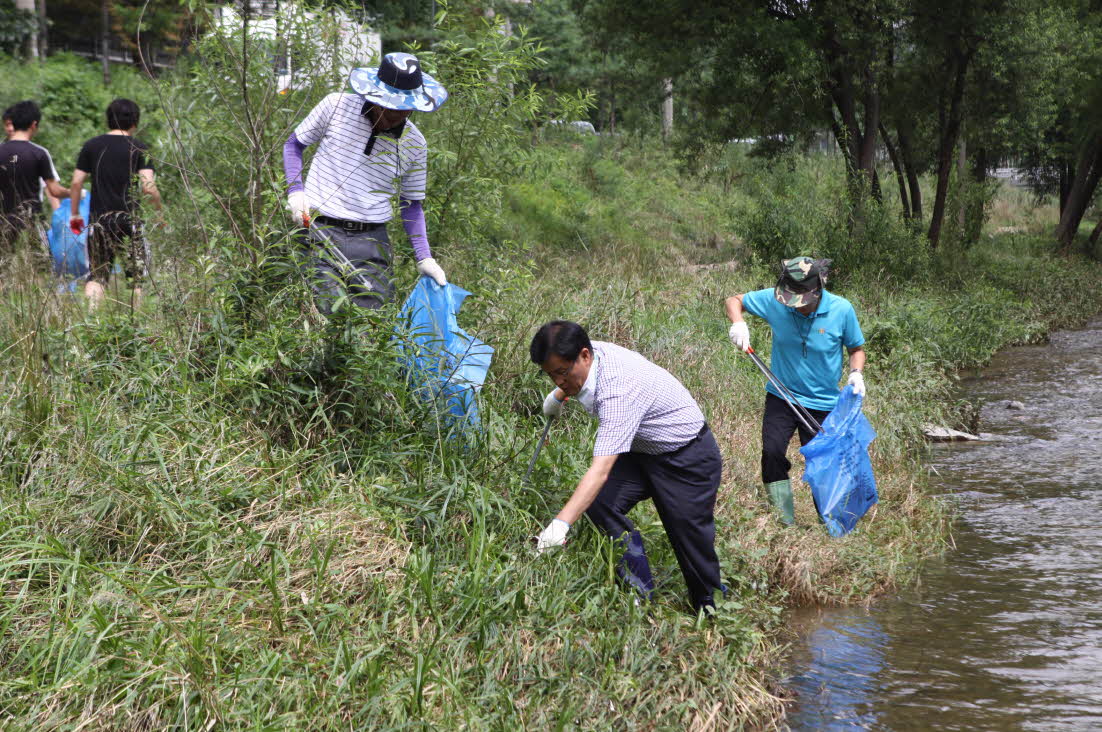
[73,98]
[795,210]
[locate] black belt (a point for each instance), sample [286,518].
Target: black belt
[347,225]
[703,431]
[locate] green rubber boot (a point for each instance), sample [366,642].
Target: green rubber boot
[780,495]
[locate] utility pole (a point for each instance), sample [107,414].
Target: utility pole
[667,108]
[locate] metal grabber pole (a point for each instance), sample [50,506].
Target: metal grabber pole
[801,413]
[539,446]
[536,454]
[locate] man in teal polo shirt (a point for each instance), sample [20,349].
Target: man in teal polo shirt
[810,328]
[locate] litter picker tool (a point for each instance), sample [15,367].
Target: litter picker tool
[340,262]
[536,454]
[539,446]
[801,413]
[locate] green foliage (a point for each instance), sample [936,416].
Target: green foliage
[222,509]
[479,136]
[151,28]
[16,25]
[73,99]
[799,207]
[72,94]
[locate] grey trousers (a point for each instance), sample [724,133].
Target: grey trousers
[352,264]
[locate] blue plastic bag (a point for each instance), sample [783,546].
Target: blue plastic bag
[69,250]
[444,363]
[838,467]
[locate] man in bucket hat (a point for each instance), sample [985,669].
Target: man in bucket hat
[810,328]
[368,150]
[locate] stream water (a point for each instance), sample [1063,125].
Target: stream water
[1004,632]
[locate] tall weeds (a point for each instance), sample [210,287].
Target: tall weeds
[221,509]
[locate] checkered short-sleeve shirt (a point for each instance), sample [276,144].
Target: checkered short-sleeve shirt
[640,406]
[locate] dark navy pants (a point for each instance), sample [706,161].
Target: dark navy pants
[683,486]
[777,426]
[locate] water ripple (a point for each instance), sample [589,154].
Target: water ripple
[1006,632]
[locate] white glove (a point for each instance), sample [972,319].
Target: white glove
[857,381]
[430,268]
[739,333]
[553,535]
[296,204]
[552,405]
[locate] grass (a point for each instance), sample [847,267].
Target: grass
[224,515]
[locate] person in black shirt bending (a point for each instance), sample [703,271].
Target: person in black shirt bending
[114,160]
[25,169]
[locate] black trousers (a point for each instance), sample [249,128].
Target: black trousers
[108,236]
[352,263]
[777,426]
[25,230]
[683,486]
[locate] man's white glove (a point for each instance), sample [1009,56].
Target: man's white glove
[553,535]
[739,333]
[430,268]
[296,204]
[552,405]
[857,381]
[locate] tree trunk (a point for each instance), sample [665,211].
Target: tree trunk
[1095,234]
[899,179]
[962,179]
[852,142]
[667,108]
[858,146]
[1067,175]
[43,30]
[906,154]
[949,124]
[31,44]
[974,211]
[105,40]
[1088,172]
[872,124]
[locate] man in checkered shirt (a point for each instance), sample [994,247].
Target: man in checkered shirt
[652,442]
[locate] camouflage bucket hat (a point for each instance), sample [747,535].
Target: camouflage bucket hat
[399,83]
[801,281]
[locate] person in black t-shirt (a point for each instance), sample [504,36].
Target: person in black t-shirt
[25,169]
[117,163]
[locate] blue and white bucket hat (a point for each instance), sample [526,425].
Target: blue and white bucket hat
[399,83]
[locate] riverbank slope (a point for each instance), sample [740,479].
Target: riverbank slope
[217,509]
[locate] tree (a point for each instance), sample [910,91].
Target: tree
[786,67]
[17,25]
[150,30]
[1083,123]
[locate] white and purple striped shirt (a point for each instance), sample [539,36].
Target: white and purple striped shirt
[346,184]
[641,407]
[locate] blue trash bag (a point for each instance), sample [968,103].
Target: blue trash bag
[838,467]
[69,250]
[444,364]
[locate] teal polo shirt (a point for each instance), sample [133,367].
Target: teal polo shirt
[812,375]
